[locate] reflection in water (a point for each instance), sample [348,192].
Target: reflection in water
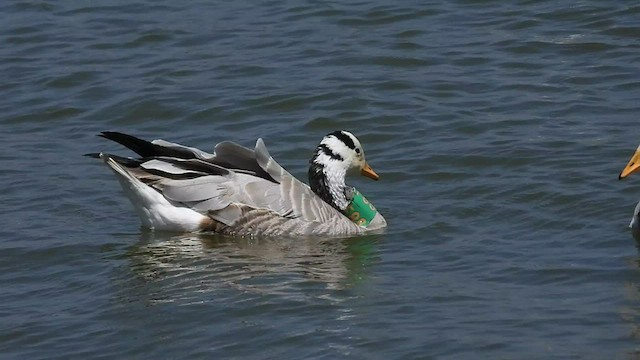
[186,266]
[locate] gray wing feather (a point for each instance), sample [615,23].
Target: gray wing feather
[267,163]
[202,155]
[212,204]
[295,196]
[198,189]
[166,167]
[267,196]
[239,157]
[229,215]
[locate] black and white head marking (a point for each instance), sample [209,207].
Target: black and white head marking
[338,154]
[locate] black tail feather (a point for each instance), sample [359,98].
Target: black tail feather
[126,161]
[145,148]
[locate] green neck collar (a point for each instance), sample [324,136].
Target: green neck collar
[360,210]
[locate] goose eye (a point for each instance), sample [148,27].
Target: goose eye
[357,151]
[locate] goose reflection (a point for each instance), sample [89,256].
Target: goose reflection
[183,267]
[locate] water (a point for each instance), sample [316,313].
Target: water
[498,131]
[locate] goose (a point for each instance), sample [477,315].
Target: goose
[633,166]
[244,192]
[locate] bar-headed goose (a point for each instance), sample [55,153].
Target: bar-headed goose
[239,191]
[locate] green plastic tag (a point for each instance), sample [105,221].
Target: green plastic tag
[360,210]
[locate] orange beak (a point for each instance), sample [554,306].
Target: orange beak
[632,166]
[368,172]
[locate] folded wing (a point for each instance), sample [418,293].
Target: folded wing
[226,184]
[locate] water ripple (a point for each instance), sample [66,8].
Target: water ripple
[498,130]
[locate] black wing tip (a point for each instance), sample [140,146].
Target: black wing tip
[142,147]
[92,155]
[113,135]
[146,148]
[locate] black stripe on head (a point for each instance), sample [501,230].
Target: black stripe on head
[325,149]
[346,139]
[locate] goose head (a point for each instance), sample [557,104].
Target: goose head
[632,166]
[339,154]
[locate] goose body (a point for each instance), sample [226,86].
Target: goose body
[240,191]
